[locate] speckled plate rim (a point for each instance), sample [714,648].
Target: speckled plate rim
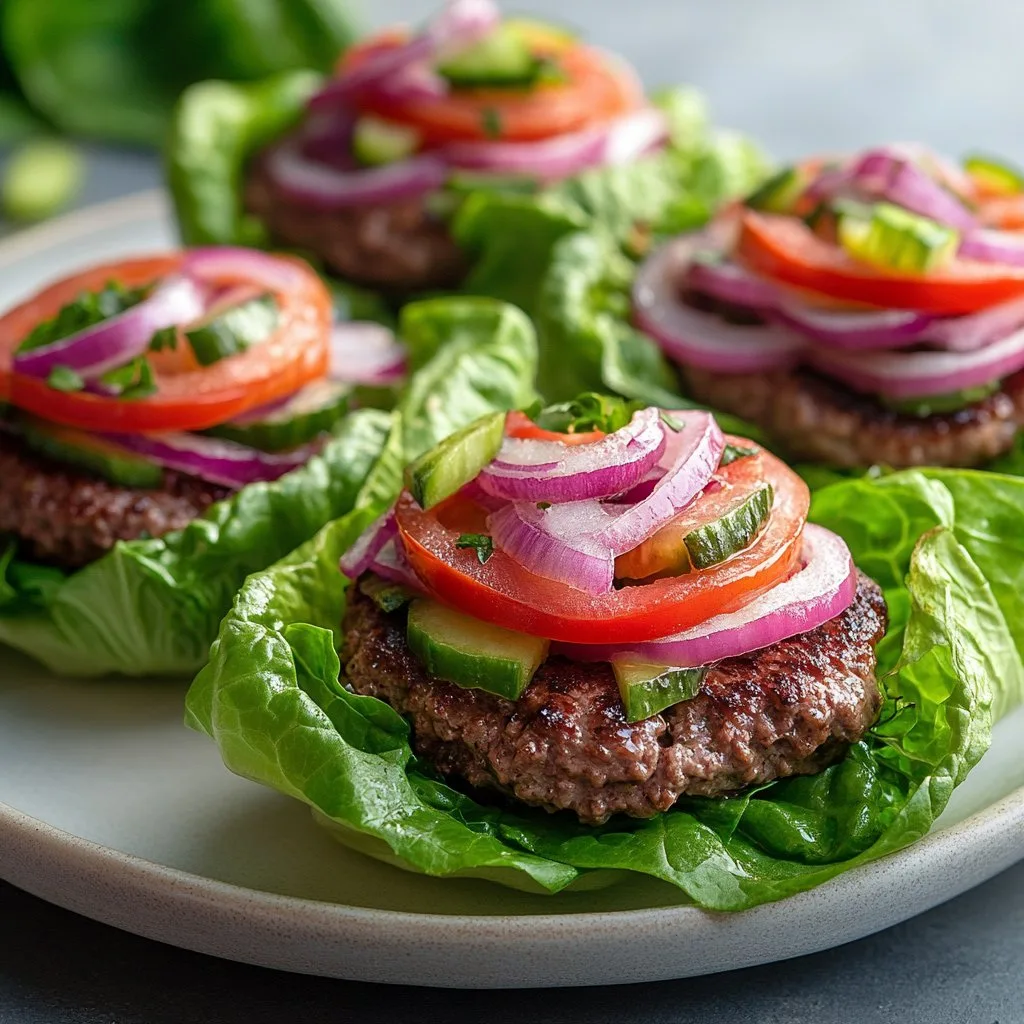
[308,936]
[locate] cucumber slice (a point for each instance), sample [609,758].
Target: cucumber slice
[997,176]
[714,542]
[647,689]
[471,653]
[86,451]
[780,192]
[933,405]
[387,596]
[439,473]
[376,141]
[502,59]
[896,239]
[230,331]
[308,413]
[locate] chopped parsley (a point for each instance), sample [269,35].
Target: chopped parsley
[132,381]
[89,309]
[672,422]
[165,338]
[733,452]
[63,378]
[479,542]
[491,121]
[589,411]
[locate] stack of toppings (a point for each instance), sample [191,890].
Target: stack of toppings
[894,273]
[468,95]
[602,533]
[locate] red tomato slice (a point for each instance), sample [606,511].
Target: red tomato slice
[518,424]
[1005,212]
[502,592]
[785,249]
[665,552]
[189,397]
[595,90]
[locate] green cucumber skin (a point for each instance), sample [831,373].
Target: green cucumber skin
[122,468]
[286,429]
[500,60]
[647,690]
[375,143]
[715,542]
[778,193]
[442,471]
[234,330]
[472,654]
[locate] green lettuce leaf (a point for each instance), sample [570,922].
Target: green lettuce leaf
[152,607]
[944,547]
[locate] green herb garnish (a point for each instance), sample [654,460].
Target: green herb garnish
[491,120]
[133,380]
[165,338]
[89,309]
[733,452]
[63,378]
[479,542]
[589,411]
[670,421]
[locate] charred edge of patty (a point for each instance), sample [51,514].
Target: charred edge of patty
[789,709]
[818,418]
[397,247]
[68,517]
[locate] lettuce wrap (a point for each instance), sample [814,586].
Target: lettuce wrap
[151,607]
[947,547]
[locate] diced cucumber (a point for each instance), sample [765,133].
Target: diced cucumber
[648,689]
[227,332]
[780,192]
[471,653]
[439,473]
[86,451]
[714,542]
[387,596]
[502,59]
[308,413]
[896,239]
[933,405]
[376,141]
[995,175]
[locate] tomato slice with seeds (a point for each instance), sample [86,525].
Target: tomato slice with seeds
[786,250]
[188,396]
[502,592]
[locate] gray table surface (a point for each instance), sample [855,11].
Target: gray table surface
[802,75]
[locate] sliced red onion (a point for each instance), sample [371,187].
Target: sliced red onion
[618,142]
[327,188]
[976,330]
[219,461]
[702,339]
[527,469]
[990,246]
[254,269]
[920,374]
[525,532]
[460,24]
[392,564]
[414,83]
[882,329]
[824,588]
[119,339]
[363,352]
[732,283]
[360,556]
[327,138]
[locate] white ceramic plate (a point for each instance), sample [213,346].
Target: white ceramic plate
[113,809]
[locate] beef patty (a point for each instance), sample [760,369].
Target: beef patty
[70,518]
[789,709]
[398,247]
[820,419]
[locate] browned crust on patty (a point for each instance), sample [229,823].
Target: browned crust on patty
[816,418]
[398,247]
[790,709]
[70,518]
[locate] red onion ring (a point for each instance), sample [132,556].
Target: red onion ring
[360,556]
[990,246]
[920,374]
[620,141]
[531,470]
[460,24]
[884,329]
[730,282]
[824,588]
[216,264]
[976,330]
[118,339]
[363,352]
[219,461]
[392,564]
[326,188]
[702,339]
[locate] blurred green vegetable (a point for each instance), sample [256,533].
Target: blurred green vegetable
[113,68]
[41,178]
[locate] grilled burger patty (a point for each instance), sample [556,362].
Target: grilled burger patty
[790,709]
[70,518]
[817,418]
[397,246]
